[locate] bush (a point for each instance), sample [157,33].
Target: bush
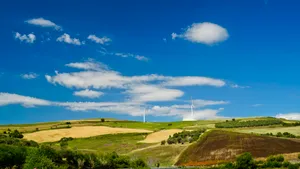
[16,134]
[293,166]
[12,156]
[185,136]
[36,160]
[68,122]
[163,142]
[139,163]
[102,120]
[285,164]
[170,124]
[245,161]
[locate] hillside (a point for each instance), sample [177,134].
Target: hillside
[218,145]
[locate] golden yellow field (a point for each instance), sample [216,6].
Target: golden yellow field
[78,132]
[160,135]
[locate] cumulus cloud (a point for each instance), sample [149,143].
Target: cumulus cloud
[148,93]
[26,101]
[29,76]
[88,65]
[289,116]
[205,33]
[43,23]
[99,40]
[30,38]
[66,38]
[203,103]
[88,93]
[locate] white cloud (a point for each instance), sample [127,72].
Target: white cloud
[289,116]
[43,23]
[88,65]
[30,38]
[26,101]
[132,109]
[103,51]
[193,81]
[236,86]
[88,93]
[142,58]
[67,39]
[203,115]
[96,39]
[148,93]
[29,76]
[206,33]
[257,105]
[203,103]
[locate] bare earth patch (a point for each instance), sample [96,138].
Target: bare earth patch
[160,135]
[78,132]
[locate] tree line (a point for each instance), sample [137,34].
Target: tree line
[250,123]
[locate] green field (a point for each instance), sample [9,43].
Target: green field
[120,143]
[162,125]
[165,155]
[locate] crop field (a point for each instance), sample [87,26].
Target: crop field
[165,155]
[274,130]
[120,143]
[78,132]
[219,146]
[160,135]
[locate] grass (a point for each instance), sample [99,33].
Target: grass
[165,155]
[160,125]
[274,130]
[120,143]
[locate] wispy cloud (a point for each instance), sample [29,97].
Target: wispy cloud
[238,86]
[30,38]
[43,23]
[26,101]
[205,33]
[88,93]
[103,40]
[88,65]
[103,51]
[66,38]
[29,76]
[257,105]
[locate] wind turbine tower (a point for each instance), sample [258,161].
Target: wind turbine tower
[144,116]
[192,108]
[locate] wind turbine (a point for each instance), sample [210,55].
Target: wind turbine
[192,108]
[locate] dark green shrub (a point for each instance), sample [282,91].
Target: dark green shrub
[285,164]
[245,161]
[68,122]
[163,142]
[293,166]
[139,163]
[35,159]
[12,156]
[16,134]
[102,120]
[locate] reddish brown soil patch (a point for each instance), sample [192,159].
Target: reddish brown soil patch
[218,145]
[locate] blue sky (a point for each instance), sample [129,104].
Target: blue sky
[74,60]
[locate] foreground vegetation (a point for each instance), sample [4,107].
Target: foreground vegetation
[22,154]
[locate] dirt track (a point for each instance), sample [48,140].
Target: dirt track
[160,135]
[78,132]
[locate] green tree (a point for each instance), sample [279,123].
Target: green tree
[245,161]
[35,159]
